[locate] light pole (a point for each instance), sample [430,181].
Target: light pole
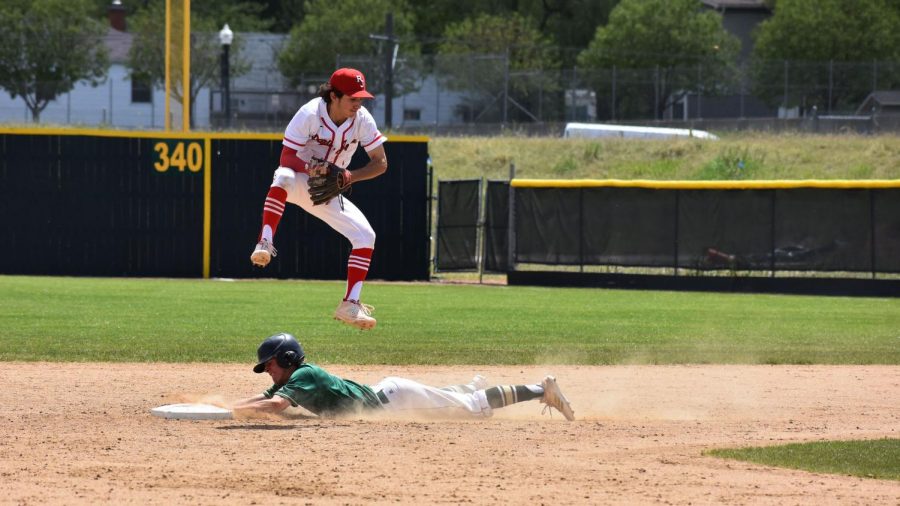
[226,36]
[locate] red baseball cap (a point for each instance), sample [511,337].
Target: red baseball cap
[350,82]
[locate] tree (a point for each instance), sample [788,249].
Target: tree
[46,47]
[672,47]
[825,50]
[432,18]
[566,23]
[570,23]
[498,55]
[146,59]
[283,13]
[528,48]
[334,29]
[243,15]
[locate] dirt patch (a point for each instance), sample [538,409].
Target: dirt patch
[83,434]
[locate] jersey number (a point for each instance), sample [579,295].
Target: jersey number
[192,157]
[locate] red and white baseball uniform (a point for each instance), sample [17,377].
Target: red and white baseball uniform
[312,133]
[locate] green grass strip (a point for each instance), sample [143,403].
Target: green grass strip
[878,458]
[193,320]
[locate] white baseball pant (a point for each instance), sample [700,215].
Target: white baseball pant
[344,217]
[403,394]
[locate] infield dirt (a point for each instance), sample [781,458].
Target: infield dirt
[83,434]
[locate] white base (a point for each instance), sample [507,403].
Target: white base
[190,411]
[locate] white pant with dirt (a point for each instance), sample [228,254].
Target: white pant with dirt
[401,394]
[341,214]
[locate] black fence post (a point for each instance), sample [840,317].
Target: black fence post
[874,75]
[613,104]
[581,230]
[430,198]
[656,94]
[511,230]
[772,235]
[699,91]
[785,101]
[872,229]
[480,232]
[677,211]
[830,83]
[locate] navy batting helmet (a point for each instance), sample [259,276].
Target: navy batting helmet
[283,347]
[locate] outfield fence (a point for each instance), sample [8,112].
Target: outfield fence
[725,234]
[111,203]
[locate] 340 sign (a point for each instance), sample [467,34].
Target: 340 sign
[178,155]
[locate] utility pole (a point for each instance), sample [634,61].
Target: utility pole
[389,71]
[390,57]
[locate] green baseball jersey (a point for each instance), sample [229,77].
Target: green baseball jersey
[322,393]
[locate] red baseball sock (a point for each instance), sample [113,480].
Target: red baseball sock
[357,269]
[272,211]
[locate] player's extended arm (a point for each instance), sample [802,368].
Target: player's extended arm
[377,166]
[259,404]
[249,400]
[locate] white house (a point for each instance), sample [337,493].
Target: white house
[117,102]
[260,99]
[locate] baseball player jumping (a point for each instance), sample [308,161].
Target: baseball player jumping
[318,145]
[298,383]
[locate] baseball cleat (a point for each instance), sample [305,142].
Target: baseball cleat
[263,253]
[356,314]
[554,398]
[479,382]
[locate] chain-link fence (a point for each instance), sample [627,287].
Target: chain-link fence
[473,93]
[488,93]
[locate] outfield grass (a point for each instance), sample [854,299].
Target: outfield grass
[737,155]
[115,319]
[878,458]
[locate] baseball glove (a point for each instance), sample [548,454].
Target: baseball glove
[326,181]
